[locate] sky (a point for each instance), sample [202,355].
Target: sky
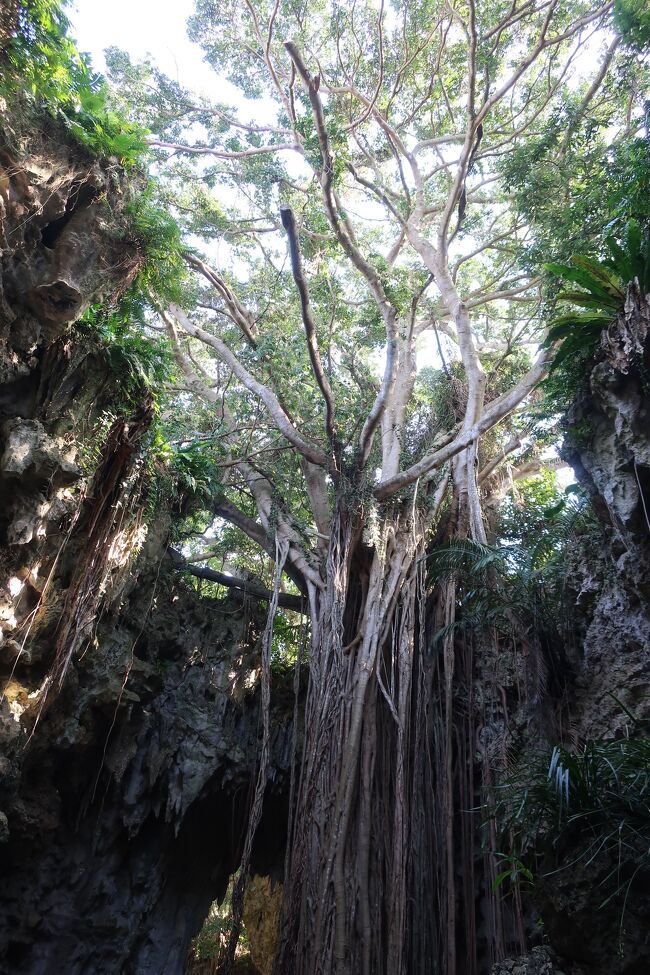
[142,27]
[158,28]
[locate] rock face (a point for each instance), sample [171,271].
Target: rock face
[539,962]
[125,809]
[64,242]
[124,788]
[608,445]
[262,913]
[62,235]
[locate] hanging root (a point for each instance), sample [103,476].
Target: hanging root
[112,499]
[347,888]
[281,552]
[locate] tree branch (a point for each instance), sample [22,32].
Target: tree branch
[345,239]
[286,600]
[456,441]
[266,395]
[289,224]
[591,92]
[489,468]
[238,314]
[222,153]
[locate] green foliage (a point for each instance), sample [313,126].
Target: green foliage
[515,872]
[629,177]
[142,364]
[632,19]
[41,64]
[463,555]
[143,359]
[138,361]
[213,936]
[286,642]
[162,273]
[521,581]
[574,183]
[188,469]
[579,804]
[602,285]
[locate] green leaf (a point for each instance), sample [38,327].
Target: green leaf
[499,879]
[634,243]
[91,102]
[555,510]
[574,345]
[600,275]
[621,261]
[589,301]
[579,276]
[581,326]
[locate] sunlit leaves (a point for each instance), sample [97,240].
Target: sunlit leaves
[42,64]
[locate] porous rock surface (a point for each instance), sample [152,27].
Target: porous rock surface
[125,808]
[123,798]
[608,445]
[540,961]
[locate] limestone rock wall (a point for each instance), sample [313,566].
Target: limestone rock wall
[123,798]
[608,445]
[125,809]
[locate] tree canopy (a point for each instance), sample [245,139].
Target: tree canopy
[384,198]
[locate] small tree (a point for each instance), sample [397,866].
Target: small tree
[365,222]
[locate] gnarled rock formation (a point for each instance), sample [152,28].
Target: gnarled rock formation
[125,808]
[540,961]
[592,928]
[608,445]
[64,244]
[63,237]
[129,718]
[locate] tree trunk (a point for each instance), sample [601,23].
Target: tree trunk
[381,855]
[353,839]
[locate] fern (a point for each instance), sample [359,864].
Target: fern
[523,577]
[42,66]
[603,285]
[463,555]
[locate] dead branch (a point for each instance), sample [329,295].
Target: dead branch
[289,224]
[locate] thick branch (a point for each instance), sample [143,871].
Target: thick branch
[267,396]
[222,153]
[497,410]
[591,92]
[230,512]
[345,239]
[501,295]
[490,467]
[286,600]
[239,315]
[257,533]
[316,485]
[197,385]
